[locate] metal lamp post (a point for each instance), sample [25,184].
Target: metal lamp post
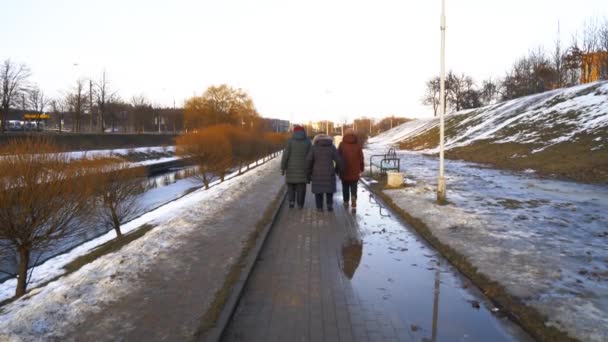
[441,181]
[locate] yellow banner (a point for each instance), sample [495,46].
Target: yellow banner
[36,116]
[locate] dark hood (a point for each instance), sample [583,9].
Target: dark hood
[299,135]
[324,142]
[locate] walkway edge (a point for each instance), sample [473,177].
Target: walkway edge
[527,317]
[227,311]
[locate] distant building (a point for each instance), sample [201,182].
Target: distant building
[591,65]
[276,125]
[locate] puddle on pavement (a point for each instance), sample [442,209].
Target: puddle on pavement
[393,270]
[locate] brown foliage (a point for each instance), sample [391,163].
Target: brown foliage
[116,190]
[217,149]
[43,193]
[221,104]
[209,148]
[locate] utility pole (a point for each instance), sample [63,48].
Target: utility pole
[174,116]
[91,106]
[441,195]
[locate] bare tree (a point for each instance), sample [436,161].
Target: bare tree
[58,107]
[37,100]
[431,96]
[572,62]
[458,86]
[589,46]
[603,46]
[104,96]
[141,112]
[13,84]
[118,185]
[43,194]
[77,100]
[558,61]
[209,148]
[489,91]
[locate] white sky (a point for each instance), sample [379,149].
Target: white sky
[300,60]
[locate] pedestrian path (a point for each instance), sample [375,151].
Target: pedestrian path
[338,276]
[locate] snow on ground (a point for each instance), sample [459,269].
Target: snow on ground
[65,300]
[155,161]
[545,240]
[121,151]
[543,119]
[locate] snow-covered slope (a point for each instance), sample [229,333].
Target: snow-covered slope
[541,120]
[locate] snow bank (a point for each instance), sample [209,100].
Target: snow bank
[543,119]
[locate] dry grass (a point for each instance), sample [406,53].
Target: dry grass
[578,159]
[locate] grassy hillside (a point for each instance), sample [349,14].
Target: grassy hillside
[563,133]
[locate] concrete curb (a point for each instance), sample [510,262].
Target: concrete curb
[215,333]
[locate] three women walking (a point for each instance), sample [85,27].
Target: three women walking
[319,163]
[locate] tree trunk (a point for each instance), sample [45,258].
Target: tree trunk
[116,224]
[24,260]
[205,181]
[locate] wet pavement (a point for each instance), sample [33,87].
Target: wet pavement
[359,277]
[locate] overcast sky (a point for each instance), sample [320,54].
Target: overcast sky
[299,60]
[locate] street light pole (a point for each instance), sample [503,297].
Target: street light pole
[441,181]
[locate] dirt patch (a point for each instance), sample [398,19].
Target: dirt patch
[527,317]
[577,159]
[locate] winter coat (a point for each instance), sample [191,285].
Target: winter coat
[321,159]
[352,157]
[294,158]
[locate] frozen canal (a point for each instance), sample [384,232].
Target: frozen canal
[545,240]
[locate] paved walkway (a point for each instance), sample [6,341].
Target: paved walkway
[299,289]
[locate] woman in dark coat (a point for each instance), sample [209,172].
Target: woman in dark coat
[323,163]
[294,167]
[351,153]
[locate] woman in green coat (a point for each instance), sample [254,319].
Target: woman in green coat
[294,167]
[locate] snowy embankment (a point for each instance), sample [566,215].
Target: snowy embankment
[544,240]
[65,300]
[542,120]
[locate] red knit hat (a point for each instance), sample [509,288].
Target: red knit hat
[298,128]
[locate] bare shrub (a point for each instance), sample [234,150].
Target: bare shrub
[43,193]
[210,149]
[117,187]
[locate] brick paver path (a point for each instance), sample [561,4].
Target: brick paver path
[298,290]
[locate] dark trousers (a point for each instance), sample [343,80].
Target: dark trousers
[296,191]
[349,188]
[329,198]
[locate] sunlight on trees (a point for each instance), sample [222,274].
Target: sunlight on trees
[221,105]
[43,196]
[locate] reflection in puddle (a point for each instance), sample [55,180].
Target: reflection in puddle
[401,275]
[351,257]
